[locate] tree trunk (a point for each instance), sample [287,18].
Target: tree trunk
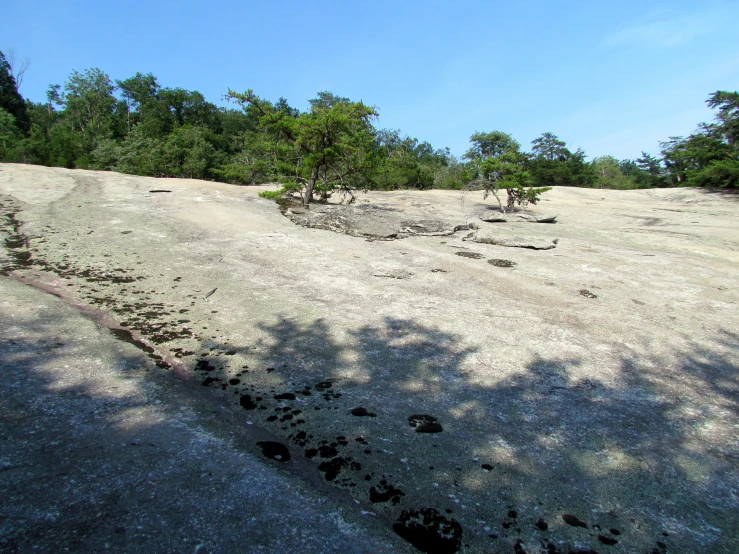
[308,196]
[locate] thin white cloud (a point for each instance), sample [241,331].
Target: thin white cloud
[666,33]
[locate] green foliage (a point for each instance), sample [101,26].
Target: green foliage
[89,105]
[552,164]
[728,115]
[137,126]
[287,190]
[274,194]
[326,149]
[9,134]
[403,162]
[10,100]
[609,174]
[500,164]
[708,157]
[717,174]
[549,147]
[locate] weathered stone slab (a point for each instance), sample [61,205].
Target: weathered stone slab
[369,222]
[493,236]
[493,216]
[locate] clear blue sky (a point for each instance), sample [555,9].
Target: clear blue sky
[609,77]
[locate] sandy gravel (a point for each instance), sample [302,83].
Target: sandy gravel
[586,394]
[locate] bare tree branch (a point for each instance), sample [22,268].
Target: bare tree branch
[17,67]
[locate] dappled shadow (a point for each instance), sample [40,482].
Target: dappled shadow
[558,455]
[543,460]
[549,458]
[104,450]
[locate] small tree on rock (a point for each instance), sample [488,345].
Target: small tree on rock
[500,164]
[325,149]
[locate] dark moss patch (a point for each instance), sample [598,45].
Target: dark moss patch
[605,539]
[429,531]
[246,402]
[385,493]
[570,519]
[425,423]
[502,263]
[274,451]
[203,365]
[473,255]
[331,468]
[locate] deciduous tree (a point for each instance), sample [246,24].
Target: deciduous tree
[327,148]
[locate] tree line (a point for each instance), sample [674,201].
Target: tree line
[139,127]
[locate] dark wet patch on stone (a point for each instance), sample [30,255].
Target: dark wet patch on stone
[126,336]
[473,255]
[605,539]
[246,402]
[425,423]
[384,493]
[502,263]
[587,294]
[331,468]
[661,548]
[327,451]
[203,365]
[362,412]
[311,453]
[274,450]
[429,531]
[570,519]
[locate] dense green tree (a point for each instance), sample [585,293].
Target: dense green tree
[10,99]
[609,174]
[88,109]
[53,97]
[549,147]
[649,171]
[402,162]
[710,156]
[137,91]
[500,164]
[685,157]
[9,134]
[328,147]
[494,143]
[728,116]
[553,164]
